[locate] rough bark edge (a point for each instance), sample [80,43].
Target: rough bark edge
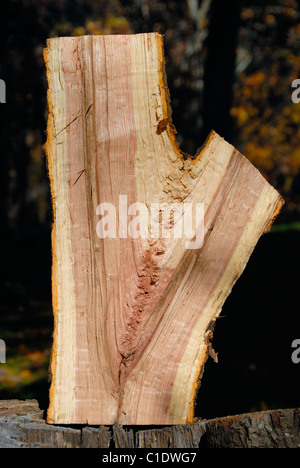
[167,108]
[275,214]
[48,149]
[22,426]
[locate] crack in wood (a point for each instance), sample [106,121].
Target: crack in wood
[67,126]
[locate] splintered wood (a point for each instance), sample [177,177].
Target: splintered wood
[134,312]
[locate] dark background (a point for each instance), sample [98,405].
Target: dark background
[230,65]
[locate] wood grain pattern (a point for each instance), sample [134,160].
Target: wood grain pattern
[133,315]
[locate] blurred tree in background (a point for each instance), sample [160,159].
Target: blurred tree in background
[230,65]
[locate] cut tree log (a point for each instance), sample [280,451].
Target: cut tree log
[133,315]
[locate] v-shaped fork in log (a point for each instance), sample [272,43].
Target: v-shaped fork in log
[134,312]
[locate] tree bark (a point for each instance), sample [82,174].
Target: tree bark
[134,309]
[22,426]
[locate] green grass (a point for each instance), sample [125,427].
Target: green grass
[286,227]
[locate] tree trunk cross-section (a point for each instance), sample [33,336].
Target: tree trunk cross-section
[133,315]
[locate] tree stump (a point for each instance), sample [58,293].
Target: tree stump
[147,242]
[22,426]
